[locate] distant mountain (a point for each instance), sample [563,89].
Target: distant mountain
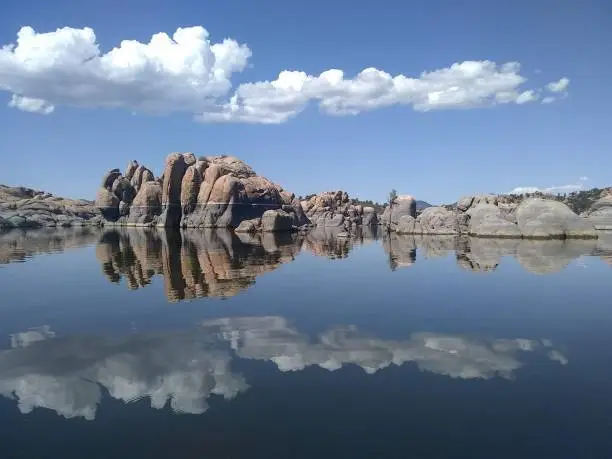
[422,205]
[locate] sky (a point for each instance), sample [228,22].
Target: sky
[434,98]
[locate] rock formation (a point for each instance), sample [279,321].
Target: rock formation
[335,209]
[402,206]
[495,216]
[27,208]
[209,192]
[600,214]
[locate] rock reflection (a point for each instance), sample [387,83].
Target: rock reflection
[335,242]
[538,257]
[485,254]
[604,247]
[19,245]
[184,369]
[401,250]
[193,263]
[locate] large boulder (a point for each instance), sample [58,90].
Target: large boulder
[439,220]
[176,166]
[401,206]
[147,204]
[275,220]
[407,224]
[600,214]
[487,220]
[107,203]
[547,219]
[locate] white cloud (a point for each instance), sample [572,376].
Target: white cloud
[28,104]
[584,178]
[558,86]
[188,73]
[527,96]
[548,100]
[551,189]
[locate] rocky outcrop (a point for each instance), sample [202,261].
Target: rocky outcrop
[497,217]
[488,220]
[335,209]
[600,214]
[402,206]
[209,192]
[130,198]
[545,219]
[27,208]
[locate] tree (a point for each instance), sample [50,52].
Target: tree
[392,198]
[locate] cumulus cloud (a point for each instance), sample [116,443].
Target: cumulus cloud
[28,104]
[188,73]
[558,86]
[551,189]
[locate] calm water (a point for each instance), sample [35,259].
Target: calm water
[207,345]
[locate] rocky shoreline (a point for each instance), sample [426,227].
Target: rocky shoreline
[224,192]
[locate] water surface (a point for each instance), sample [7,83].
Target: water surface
[139,343]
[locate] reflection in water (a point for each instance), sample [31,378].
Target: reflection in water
[485,254]
[331,241]
[19,245]
[219,263]
[184,369]
[193,263]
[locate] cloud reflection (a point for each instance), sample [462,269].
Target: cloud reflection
[184,369]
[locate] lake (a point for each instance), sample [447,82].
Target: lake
[203,344]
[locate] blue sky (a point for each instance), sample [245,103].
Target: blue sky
[307,137]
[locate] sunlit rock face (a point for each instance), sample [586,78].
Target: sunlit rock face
[19,245]
[193,263]
[209,192]
[67,374]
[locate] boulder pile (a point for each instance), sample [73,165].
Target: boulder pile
[493,216]
[335,209]
[209,192]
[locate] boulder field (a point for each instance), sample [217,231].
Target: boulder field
[494,216]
